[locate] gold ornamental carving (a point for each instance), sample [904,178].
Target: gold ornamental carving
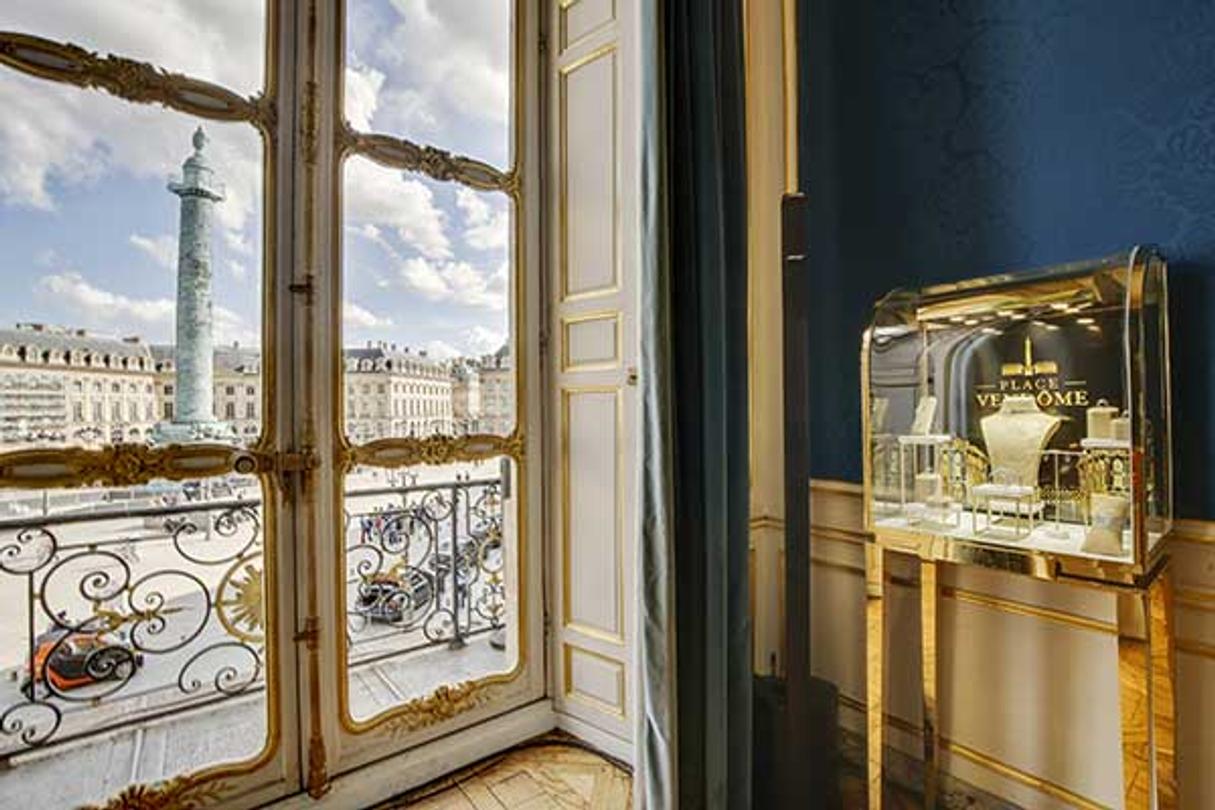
[444,703]
[129,79]
[404,452]
[182,793]
[439,164]
[318,772]
[121,465]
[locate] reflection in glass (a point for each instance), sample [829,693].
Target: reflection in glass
[123,605]
[223,43]
[433,73]
[115,214]
[426,313]
[1025,411]
[415,619]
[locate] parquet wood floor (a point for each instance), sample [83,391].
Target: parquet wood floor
[546,776]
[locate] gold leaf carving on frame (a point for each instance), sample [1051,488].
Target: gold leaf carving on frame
[121,465]
[181,793]
[403,452]
[436,163]
[129,79]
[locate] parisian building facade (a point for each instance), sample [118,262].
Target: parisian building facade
[61,386]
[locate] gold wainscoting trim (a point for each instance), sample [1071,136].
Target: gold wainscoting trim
[833,485]
[1026,609]
[1194,531]
[1199,648]
[1195,599]
[838,533]
[997,603]
[993,764]
[767,522]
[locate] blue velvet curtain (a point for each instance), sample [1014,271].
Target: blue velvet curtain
[696,634]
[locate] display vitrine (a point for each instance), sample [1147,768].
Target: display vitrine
[1021,422]
[1023,419]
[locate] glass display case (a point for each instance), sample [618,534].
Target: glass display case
[1021,421]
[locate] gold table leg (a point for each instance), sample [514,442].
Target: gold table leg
[1135,698]
[929,592]
[875,640]
[1164,691]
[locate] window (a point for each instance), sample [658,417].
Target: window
[427,543]
[77,411]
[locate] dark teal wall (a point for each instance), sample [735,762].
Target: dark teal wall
[945,140]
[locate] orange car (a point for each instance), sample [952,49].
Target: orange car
[84,658]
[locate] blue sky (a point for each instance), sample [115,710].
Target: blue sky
[88,229]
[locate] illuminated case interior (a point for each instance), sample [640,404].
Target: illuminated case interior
[1022,421]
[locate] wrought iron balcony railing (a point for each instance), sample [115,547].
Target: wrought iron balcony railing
[111,616]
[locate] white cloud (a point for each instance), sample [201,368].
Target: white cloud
[73,292]
[453,282]
[485,227]
[360,317]
[238,242]
[238,270]
[385,197]
[55,137]
[480,340]
[363,85]
[152,318]
[162,249]
[441,350]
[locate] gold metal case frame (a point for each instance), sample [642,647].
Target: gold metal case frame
[1021,423]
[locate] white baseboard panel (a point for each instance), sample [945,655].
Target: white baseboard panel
[609,744]
[395,775]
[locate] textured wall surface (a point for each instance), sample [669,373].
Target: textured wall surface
[953,139]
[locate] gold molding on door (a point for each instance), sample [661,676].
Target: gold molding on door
[618,637]
[614,315]
[563,261]
[564,6]
[570,692]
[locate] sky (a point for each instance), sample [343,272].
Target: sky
[88,229]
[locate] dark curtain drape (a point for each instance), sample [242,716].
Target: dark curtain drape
[702,283]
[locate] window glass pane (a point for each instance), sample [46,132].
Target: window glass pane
[415,621]
[426,310]
[100,284]
[220,41]
[433,72]
[120,606]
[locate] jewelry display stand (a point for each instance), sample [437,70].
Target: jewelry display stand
[1054,465]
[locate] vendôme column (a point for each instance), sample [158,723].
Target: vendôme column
[194,392]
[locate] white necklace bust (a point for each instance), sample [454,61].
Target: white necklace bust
[1015,436]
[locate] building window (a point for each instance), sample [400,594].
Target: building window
[168,411]
[230,410]
[250,390]
[168,390]
[77,411]
[230,390]
[250,410]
